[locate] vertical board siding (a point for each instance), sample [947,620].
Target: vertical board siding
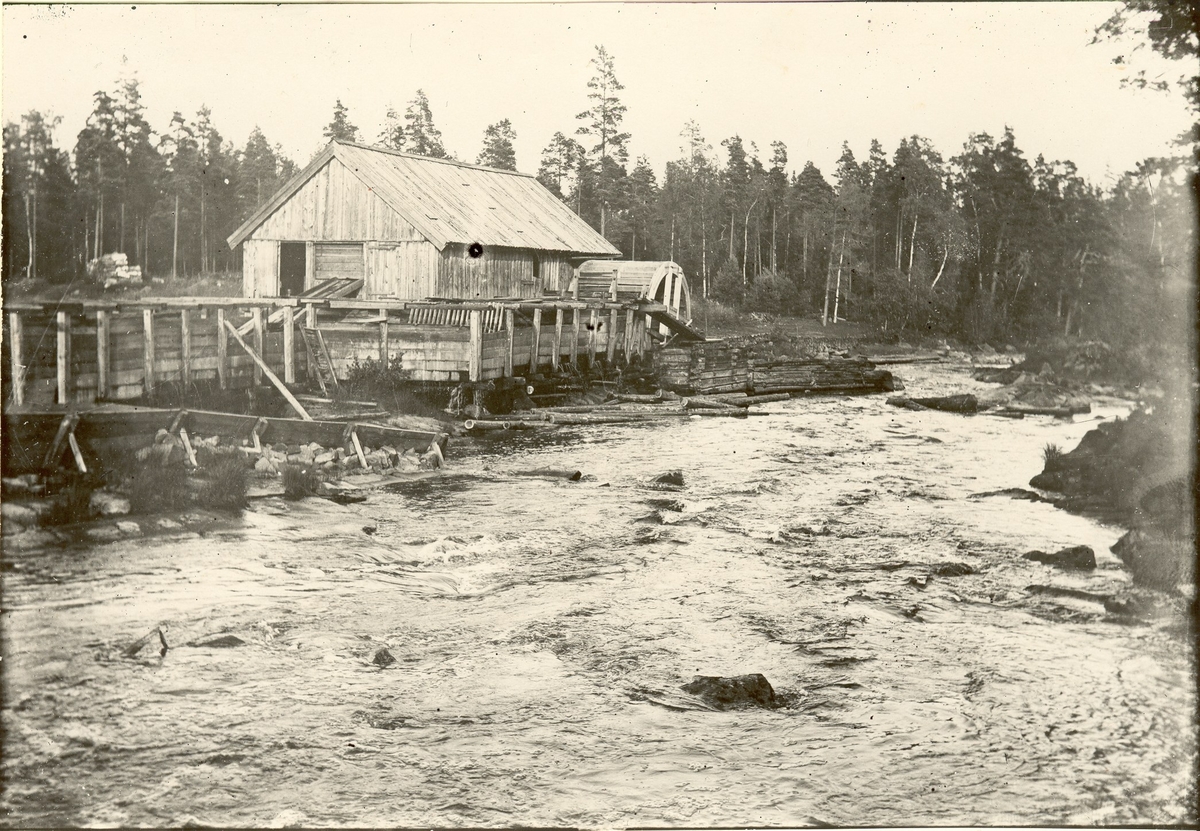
[499,272]
[405,270]
[260,268]
[335,205]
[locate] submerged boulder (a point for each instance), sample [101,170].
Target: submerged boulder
[733,693]
[670,479]
[1075,557]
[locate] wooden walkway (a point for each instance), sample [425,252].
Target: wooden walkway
[85,351]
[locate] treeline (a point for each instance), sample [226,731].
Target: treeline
[168,198]
[984,245]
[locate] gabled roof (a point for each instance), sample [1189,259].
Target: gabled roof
[452,202]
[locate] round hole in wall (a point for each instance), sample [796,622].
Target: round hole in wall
[475,250]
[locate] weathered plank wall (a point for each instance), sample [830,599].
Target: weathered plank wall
[335,206]
[499,272]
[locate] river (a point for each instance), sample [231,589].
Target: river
[542,629]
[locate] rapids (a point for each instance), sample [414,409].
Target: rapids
[542,630]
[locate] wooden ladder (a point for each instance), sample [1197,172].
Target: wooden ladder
[318,358]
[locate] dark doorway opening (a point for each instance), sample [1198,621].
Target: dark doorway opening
[292,267]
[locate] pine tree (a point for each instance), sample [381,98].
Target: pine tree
[559,169]
[340,128]
[602,122]
[422,138]
[498,148]
[392,135]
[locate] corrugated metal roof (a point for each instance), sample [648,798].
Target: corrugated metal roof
[452,202]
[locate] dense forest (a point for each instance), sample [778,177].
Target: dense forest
[987,244]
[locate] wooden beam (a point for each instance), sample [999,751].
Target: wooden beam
[102,353]
[612,336]
[593,333]
[63,356]
[576,324]
[65,428]
[537,340]
[310,315]
[16,337]
[187,447]
[475,364]
[259,338]
[185,346]
[80,465]
[628,342]
[289,346]
[258,361]
[222,350]
[362,460]
[508,354]
[384,346]
[147,351]
[558,322]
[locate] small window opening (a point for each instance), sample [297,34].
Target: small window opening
[475,250]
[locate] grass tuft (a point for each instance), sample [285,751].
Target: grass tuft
[300,481]
[225,479]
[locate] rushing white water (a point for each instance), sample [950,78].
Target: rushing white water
[542,629]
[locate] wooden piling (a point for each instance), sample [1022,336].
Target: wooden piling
[508,354]
[558,322]
[310,315]
[147,351]
[627,341]
[16,336]
[537,340]
[612,336]
[102,357]
[289,347]
[593,334]
[63,355]
[384,347]
[185,346]
[576,325]
[222,350]
[259,338]
[475,360]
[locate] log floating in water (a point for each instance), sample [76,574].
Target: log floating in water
[965,403]
[1025,409]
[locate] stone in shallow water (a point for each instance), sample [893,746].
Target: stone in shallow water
[733,693]
[1076,557]
[672,478]
[383,657]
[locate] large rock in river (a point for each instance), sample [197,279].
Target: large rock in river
[733,693]
[1077,557]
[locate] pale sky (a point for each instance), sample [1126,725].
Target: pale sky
[810,74]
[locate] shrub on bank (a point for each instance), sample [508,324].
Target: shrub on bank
[226,478]
[300,481]
[157,486]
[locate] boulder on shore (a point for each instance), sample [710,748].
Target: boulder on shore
[670,479]
[733,693]
[1075,557]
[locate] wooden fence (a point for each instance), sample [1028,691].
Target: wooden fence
[87,351]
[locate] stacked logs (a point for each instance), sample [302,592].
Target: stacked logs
[814,375]
[709,367]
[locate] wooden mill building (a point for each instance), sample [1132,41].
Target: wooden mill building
[413,227]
